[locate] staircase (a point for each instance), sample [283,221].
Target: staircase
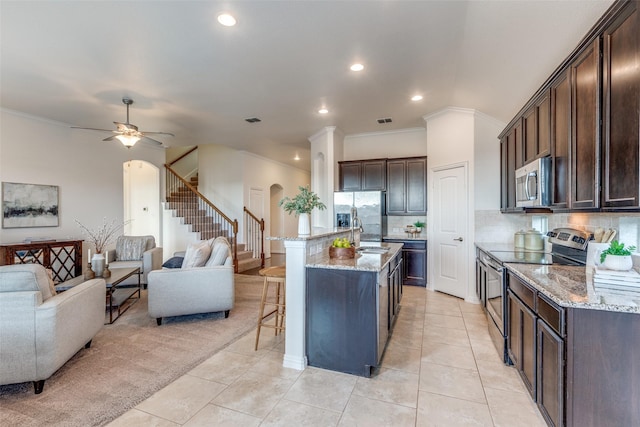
[204,219]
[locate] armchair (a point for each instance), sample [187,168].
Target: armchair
[192,290]
[39,331]
[136,251]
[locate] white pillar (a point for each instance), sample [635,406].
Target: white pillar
[295,351]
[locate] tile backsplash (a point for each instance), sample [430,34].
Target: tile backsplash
[396,224]
[493,226]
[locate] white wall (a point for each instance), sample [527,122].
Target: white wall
[87,171]
[227,176]
[379,145]
[486,161]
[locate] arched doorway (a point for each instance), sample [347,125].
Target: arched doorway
[276,218]
[141,193]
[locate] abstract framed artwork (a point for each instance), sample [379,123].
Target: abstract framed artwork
[29,205]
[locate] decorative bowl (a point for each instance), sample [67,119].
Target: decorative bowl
[342,253]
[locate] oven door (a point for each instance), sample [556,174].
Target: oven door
[494,294]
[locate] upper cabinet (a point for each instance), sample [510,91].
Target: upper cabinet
[587,118]
[407,186]
[585,135]
[621,110]
[363,175]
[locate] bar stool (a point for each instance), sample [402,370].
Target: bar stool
[275,275]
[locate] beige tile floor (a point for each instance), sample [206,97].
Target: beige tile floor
[439,369]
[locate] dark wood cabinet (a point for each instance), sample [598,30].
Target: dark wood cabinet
[550,377]
[407,186]
[621,110]
[414,261]
[63,257]
[585,128]
[363,175]
[521,340]
[560,140]
[509,153]
[587,117]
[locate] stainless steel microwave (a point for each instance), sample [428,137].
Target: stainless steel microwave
[533,184]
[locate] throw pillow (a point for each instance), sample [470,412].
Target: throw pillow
[52,284]
[197,255]
[174,262]
[219,253]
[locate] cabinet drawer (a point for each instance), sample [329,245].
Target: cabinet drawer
[551,314]
[526,294]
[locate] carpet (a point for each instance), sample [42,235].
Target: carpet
[128,361]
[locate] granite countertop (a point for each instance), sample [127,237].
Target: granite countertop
[361,262]
[316,233]
[571,286]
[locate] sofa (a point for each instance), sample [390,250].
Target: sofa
[136,251]
[202,283]
[41,330]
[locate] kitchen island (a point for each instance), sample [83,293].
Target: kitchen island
[351,305]
[576,348]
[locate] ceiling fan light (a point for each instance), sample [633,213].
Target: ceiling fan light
[128,140]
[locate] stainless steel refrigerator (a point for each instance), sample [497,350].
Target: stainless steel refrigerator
[370,206]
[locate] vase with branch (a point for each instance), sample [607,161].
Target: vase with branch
[100,238]
[302,204]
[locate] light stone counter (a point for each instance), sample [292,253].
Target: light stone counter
[361,262]
[571,286]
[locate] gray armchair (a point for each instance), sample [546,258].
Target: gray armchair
[40,331]
[136,251]
[204,288]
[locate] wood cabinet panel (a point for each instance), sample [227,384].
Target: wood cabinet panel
[407,186]
[417,186]
[529,128]
[517,141]
[585,141]
[350,176]
[550,376]
[543,125]
[560,140]
[396,196]
[374,175]
[621,116]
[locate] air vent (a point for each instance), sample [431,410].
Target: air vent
[384,120]
[253,120]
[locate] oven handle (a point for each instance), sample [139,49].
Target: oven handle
[494,266]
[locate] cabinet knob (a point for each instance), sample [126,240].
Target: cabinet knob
[459,239]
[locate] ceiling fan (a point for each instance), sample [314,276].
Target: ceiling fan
[128,133]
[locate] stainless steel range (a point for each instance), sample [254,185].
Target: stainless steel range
[569,247]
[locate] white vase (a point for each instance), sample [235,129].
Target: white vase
[304,224]
[97,264]
[618,262]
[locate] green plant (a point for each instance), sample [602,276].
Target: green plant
[616,248]
[304,202]
[419,224]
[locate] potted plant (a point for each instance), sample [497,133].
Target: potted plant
[419,225]
[617,257]
[302,205]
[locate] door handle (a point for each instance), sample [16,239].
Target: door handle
[459,239]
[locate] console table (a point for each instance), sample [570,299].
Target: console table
[63,257]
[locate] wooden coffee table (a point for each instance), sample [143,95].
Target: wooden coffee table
[119,297]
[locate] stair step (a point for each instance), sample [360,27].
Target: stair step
[248,264]
[242,255]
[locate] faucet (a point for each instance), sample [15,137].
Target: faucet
[355,220]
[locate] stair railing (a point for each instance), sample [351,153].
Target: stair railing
[198,211]
[254,235]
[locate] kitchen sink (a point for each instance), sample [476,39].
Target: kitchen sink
[372,250]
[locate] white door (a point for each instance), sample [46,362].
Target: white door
[449,238]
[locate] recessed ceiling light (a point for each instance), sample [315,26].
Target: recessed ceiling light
[226,20]
[323,111]
[357,67]
[296,157]
[416,98]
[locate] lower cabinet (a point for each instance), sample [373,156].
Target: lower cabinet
[550,379]
[521,341]
[346,319]
[414,255]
